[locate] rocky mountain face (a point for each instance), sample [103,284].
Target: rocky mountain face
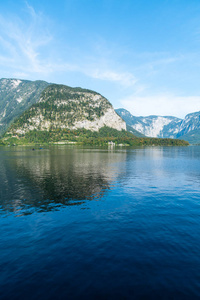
[15,97]
[63,107]
[165,127]
[38,105]
[134,132]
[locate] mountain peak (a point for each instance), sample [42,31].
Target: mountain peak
[17,95]
[64,107]
[165,126]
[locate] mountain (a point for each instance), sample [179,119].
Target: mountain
[193,137]
[63,114]
[152,126]
[165,127]
[39,112]
[134,132]
[15,97]
[63,107]
[189,124]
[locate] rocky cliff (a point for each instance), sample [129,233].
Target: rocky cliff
[165,127]
[63,107]
[15,97]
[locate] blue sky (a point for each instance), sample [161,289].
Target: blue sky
[141,55]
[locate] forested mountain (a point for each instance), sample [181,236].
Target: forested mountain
[63,107]
[40,112]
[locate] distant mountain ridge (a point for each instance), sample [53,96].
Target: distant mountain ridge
[16,96]
[166,126]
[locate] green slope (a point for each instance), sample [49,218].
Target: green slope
[133,131]
[103,137]
[193,137]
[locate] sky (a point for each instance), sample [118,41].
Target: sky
[141,55]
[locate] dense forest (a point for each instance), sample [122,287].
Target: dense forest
[104,136]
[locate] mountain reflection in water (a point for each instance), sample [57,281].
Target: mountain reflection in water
[44,179]
[138,239]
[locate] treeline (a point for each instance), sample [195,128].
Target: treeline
[103,137]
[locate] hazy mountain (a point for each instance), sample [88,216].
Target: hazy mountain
[133,131]
[165,127]
[15,97]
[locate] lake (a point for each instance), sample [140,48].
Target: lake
[86,223]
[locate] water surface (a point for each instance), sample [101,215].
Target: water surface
[82,223]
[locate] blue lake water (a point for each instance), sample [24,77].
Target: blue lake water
[81,223]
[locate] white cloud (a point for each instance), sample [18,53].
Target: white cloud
[167,105]
[124,78]
[21,43]
[29,50]
[25,49]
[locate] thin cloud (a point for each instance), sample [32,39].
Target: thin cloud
[126,79]
[24,51]
[168,105]
[23,41]
[156,62]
